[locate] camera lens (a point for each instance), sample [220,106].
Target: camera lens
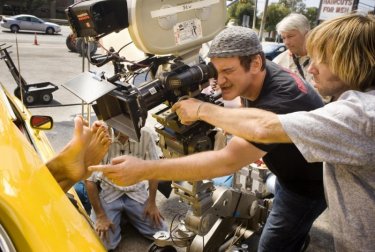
[192,77]
[152,93]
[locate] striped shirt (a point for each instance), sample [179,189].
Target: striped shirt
[144,149]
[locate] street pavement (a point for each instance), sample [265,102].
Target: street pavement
[51,61]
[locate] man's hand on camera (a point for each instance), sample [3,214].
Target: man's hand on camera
[123,170]
[188,110]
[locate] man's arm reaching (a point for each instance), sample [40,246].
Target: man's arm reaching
[128,170]
[255,125]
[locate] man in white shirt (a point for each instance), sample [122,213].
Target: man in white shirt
[293,30]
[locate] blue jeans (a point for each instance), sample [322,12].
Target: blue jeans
[133,210]
[290,220]
[80,189]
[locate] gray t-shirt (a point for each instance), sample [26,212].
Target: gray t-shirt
[342,134]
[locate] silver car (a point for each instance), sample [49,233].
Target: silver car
[30,23]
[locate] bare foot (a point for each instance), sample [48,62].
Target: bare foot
[99,144]
[68,166]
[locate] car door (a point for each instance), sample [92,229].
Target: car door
[24,23]
[37,24]
[35,214]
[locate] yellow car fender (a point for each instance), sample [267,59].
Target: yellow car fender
[34,211]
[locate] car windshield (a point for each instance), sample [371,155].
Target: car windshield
[16,16]
[28,18]
[37,20]
[23,18]
[267,48]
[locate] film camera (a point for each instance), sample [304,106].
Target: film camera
[174,29]
[171,33]
[126,108]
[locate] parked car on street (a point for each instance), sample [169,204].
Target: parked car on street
[272,49]
[35,214]
[29,23]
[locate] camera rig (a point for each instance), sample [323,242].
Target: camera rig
[126,108]
[171,34]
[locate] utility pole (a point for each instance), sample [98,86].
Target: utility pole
[263,21]
[52,7]
[255,13]
[319,9]
[1,6]
[355,5]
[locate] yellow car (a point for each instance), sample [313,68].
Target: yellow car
[35,213]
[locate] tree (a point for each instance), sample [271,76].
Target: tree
[294,5]
[29,6]
[1,6]
[33,5]
[238,10]
[298,6]
[275,12]
[312,15]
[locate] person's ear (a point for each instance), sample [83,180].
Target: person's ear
[256,63]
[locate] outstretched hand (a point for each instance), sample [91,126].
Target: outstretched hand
[123,170]
[187,110]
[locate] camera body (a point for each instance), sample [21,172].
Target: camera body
[168,27]
[126,108]
[97,18]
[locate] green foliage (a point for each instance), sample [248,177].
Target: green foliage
[294,5]
[231,11]
[238,10]
[275,12]
[312,15]
[298,6]
[32,5]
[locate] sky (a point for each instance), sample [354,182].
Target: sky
[363,4]
[366,5]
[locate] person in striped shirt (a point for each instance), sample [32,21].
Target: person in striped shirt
[111,202]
